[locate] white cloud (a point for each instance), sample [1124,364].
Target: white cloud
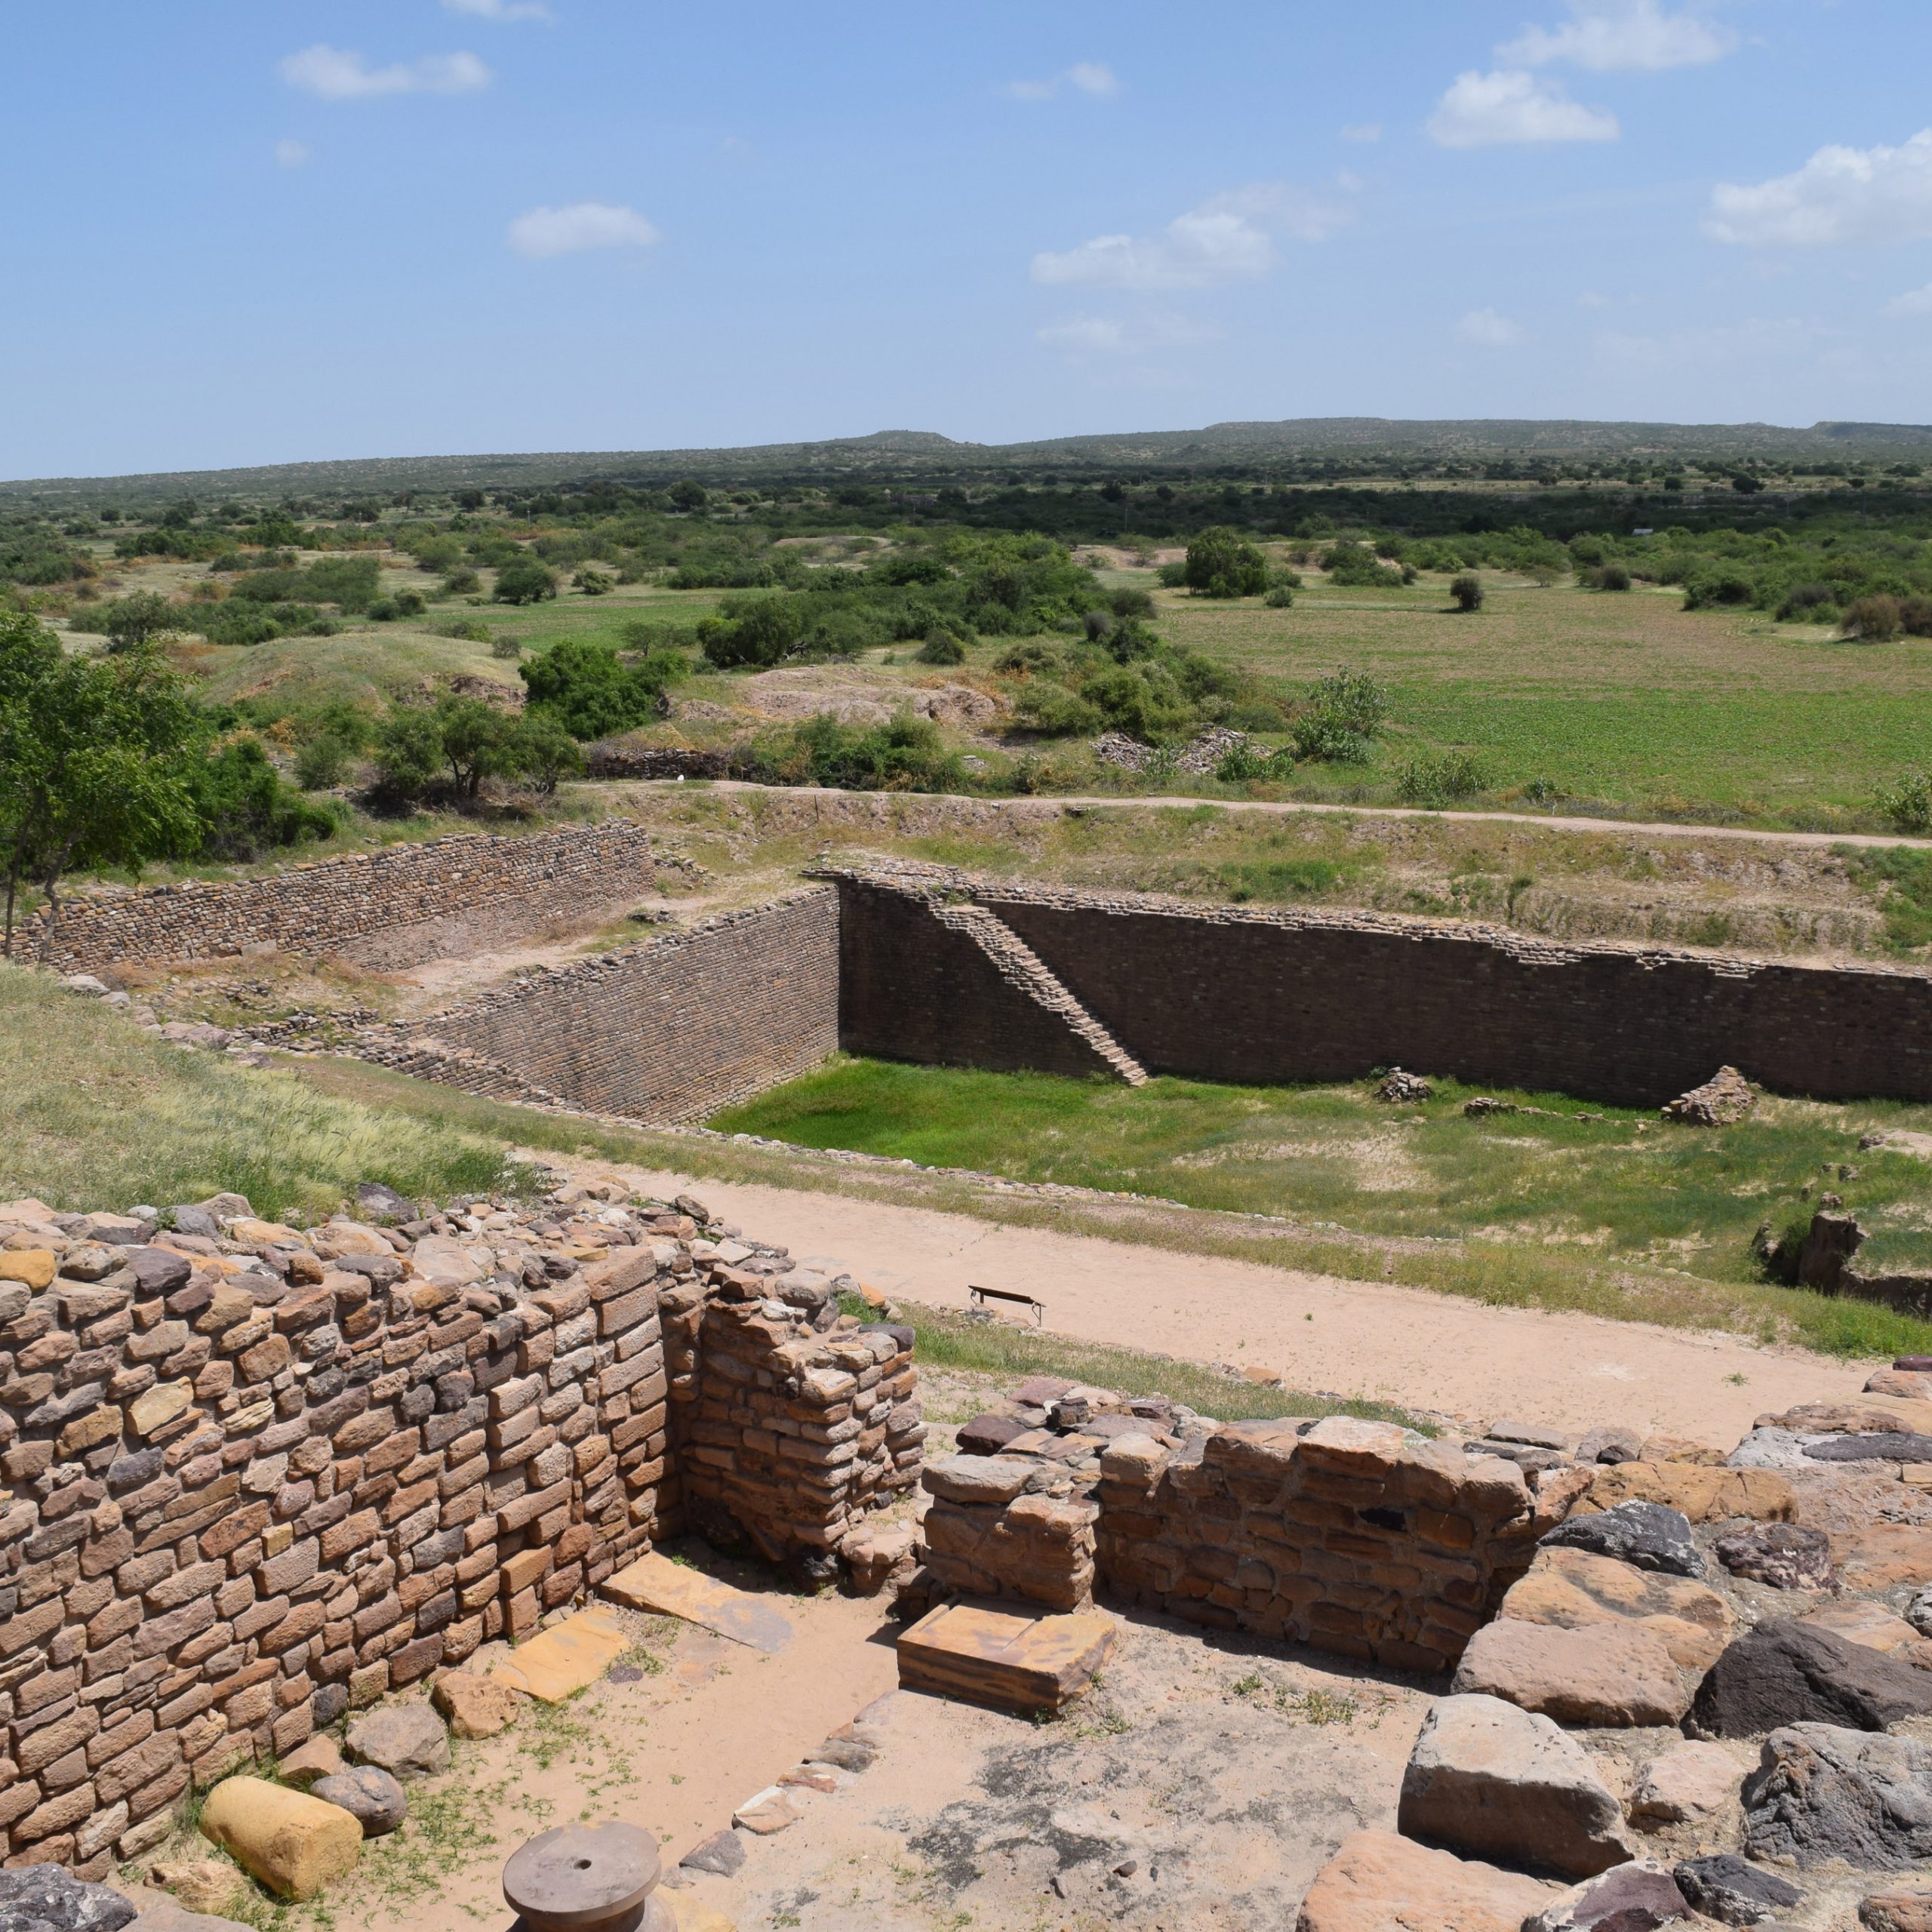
[1723,347]
[1488,329]
[1362,131]
[1092,77]
[1106,335]
[1620,36]
[545,232]
[1489,110]
[1591,299]
[1840,194]
[1914,302]
[290,154]
[335,75]
[500,10]
[1229,238]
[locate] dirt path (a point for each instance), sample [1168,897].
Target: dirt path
[1389,1344]
[1543,821]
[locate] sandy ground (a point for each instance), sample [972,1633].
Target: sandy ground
[1388,1344]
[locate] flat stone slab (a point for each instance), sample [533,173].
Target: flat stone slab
[982,1654]
[566,1658]
[655,1583]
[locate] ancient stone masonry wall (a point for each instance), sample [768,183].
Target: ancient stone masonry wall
[785,1428]
[251,1481]
[253,1476]
[1234,993]
[669,1030]
[1351,1537]
[386,910]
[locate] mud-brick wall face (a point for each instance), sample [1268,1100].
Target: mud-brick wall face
[1262,997]
[388,909]
[912,988]
[244,1491]
[673,1030]
[1351,1537]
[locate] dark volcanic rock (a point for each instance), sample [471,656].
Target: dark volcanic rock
[46,1898]
[1787,1556]
[1899,1446]
[1725,1888]
[1784,1672]
[1821,1792]
[1645,1535]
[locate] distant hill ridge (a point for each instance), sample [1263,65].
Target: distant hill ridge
[910,451]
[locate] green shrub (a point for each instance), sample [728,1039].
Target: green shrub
[1804,602]
[591,692]
[1279,878]
[131,622]
[1048,707]
[526,581]
[464,583]
[904,754]
[1906,805]
[1242,763]
[1354,567]
[1340,719]
[1280,597]
[235,622]
[1441,778]
[246,809]
[1466,589]
[595,583]
[1729,587]
[322,762]
[1916,616]
[1613,576]
[509,648]
[1222,563]
[941,647]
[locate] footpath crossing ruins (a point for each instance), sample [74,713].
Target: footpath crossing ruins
[260,1479]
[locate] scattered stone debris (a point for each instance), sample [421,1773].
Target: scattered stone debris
[1397,1086]
[1200,756]
[1722,1101]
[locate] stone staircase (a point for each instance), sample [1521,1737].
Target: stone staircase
[1023,969]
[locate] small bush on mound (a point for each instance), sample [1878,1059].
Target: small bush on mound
[1280,597]
[1612,577]
[1339,724]
[1221,562]
[905,754]
[1906,806]
[1466,589]
[941,647]
[1243,762]
[591,692]
[1441,779]
[1874,619]
[525,582]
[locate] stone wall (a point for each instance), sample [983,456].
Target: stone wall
[1231,993]
[252,1476]
[669,1030]
[388,909]
[1351,1537]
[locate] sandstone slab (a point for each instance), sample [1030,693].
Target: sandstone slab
[985,1654]
[1610,1673]
[1378,1882]
[1821,1791]
[475,1706]
[1703,1495]
[1486,1780]
[1860,1620]
[655,1583]
[293,1844]
[1575,1589]
[1638,1897]
[773,1810]
[564,1660]
[31,1267]
[1896,1911]
[983,1479]
[406,1740]
[1784,1672]
[1688,1781]
[317,1759]
[1878,1555]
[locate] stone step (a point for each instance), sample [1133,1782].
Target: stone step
[1022,968]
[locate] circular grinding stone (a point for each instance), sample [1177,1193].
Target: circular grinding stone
[583,1878]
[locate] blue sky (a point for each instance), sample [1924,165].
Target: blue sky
[255,231]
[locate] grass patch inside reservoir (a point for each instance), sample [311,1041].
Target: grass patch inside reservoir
[1612,1186]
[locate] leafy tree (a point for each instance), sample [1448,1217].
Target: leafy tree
[1466,589]
[409,752]
[94,762]
[133,622]
[1222,563]
[1875,620]
[689,495]
[526,581]
[595,583]
[591,692]
[546,753]
[244,808]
